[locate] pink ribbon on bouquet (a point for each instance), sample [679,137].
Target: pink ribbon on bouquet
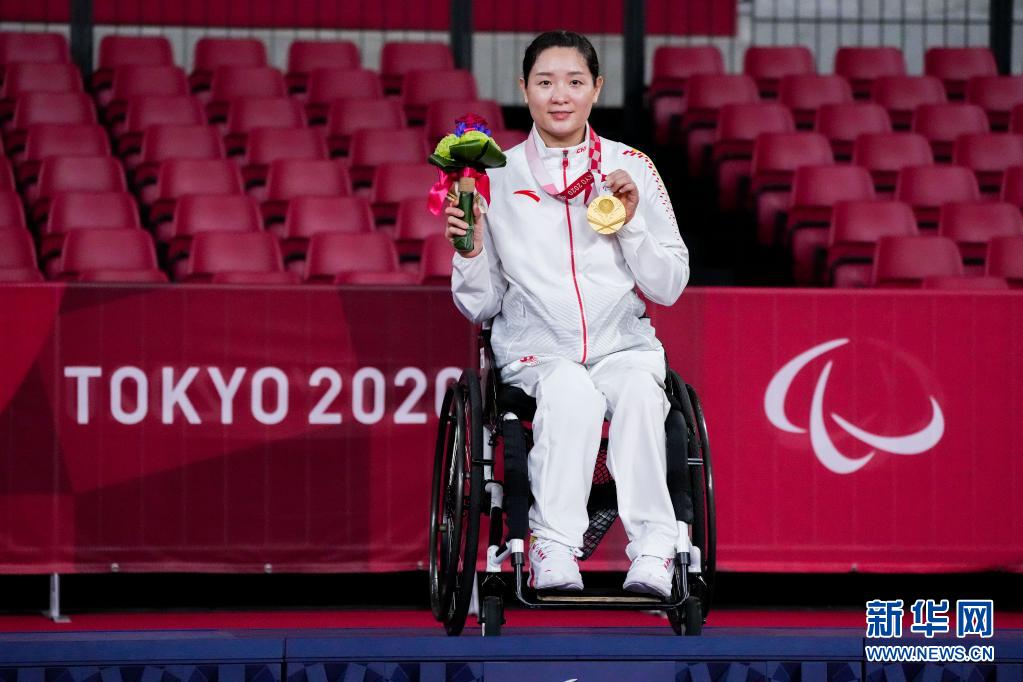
[440,189]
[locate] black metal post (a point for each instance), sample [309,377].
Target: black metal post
[635,55]
[81,36]
[461,33]
[1000,24]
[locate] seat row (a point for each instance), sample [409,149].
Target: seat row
[933,262]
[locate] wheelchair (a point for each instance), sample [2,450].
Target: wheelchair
[480,416]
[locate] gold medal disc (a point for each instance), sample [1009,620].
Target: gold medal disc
[606,214]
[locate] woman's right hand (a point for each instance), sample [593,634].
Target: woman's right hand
[456,227]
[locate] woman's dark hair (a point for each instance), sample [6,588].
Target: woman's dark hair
[560,39]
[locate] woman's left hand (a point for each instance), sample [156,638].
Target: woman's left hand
[621,185]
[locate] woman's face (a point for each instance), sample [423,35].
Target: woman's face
[560,94]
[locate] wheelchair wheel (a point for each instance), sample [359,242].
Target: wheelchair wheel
[705,533]
[455,503]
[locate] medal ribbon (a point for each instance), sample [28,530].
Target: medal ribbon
[584,182]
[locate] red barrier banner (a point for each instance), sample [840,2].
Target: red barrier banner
[192,428]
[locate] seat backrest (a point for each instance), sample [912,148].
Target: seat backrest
[506,139]
[415,222]
[864,222]
[891,151]
[774,62]
[811,91]
[195,213]
[180,177]
[907,260]
[396,181]
[955,65]
[1012,185]
[398,58]
[865,64]
[995,94]
[788,151]
[979,222]
[58,77]
[989,152]
[308,215]
[165,142]
[248,113]
[350,115]
[441,115]
[435,265]
[746,121]
[327,85]
[673,65]
[82,210]
[33,48]
[107,249]
[16,249]
[117,50]
[906,93]
[290,178]
[12,215]
[304,56]
[370,148]
[848,121]
[964,283]
[1005,258]
[148,110]
[212,252]
[231,82]
[65,139]
[711,91]
[828,185]
[947,121]
[211,53]
[421,87]
[53,107]
[334,253]
[80,174]
[131,81]
[935,186]
[269,144]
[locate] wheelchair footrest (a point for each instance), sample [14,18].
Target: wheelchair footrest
[597,596]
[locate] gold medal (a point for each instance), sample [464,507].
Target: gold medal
[606,214]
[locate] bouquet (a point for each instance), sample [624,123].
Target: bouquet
[463,158]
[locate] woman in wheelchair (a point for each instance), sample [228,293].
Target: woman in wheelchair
[568,327]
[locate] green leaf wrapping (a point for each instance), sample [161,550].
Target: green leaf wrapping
[465,202]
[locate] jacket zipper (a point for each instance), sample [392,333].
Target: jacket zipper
[571,249]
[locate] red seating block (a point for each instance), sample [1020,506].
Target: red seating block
[906,261]
[856,226]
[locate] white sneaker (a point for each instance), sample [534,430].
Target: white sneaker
[553,566]
[651,575]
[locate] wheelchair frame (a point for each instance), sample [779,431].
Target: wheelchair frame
[465,489]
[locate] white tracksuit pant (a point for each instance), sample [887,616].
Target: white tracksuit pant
[572,400]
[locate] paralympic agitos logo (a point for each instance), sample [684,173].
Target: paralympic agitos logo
[823,446]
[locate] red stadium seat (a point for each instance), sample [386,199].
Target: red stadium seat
[309,215]
[996,95]
[144,111]
[441,116]
[305,56]
[815,192]
[370,148]
[326,86]
[956,65]
[163,143]
[231,83]
[245,114]
[414,224]
[989,155]
[394,182]
[965,283]
[183,177]
[346,117]
[266,145]
[907,260]
[421,88]
[707,94]
[885,154]
[256,278]
[806,93]
[901,95]
[855,228]
[861,66]
[74,174]
[506,139]
[972,225]
[44,140]
[117,51]
[233,252]
[22,78]
[732,152]
[134,81]
[1005,259]
[1012,186]
[843,123]
[398,58]
[148,276]
[32,48]
[435,267]
[290,178]
[776,156]
[86,210]
[12,215]
[105,250]
[928,188]
[332,254]
[941,124]
[211,53]
[196,213]
[17,257]
[768,64]
[673,65]
[46,107]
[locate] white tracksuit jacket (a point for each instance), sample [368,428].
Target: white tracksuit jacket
[553,285]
